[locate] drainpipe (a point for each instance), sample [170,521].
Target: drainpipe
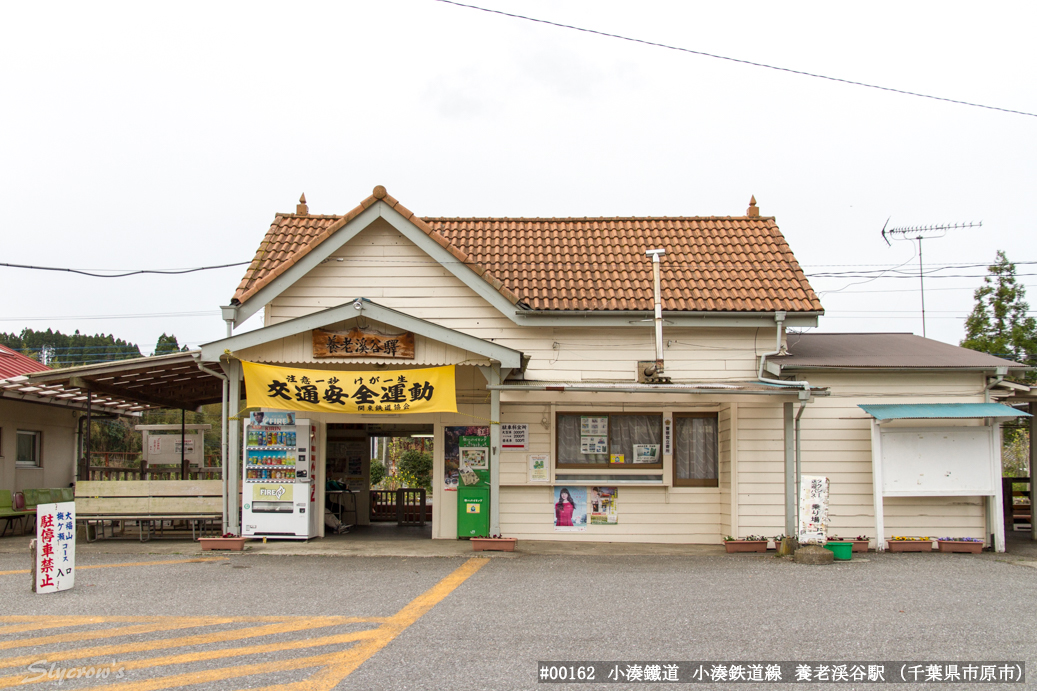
[657,285]
[799,466]
[779,318]
[1000,377]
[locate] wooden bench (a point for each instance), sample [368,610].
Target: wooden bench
[147,503]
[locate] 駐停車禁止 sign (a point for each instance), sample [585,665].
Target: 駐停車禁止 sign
[430,390]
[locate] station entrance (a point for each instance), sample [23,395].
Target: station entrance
[378,481]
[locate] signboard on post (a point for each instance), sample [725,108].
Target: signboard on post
[813,510]
[54,559]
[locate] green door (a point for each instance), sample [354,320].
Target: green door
[473,512]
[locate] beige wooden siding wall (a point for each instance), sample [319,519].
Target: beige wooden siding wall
[727,417]
[685,515]
[384,266]
[836,443]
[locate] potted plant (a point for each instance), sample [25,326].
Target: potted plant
[228,541]
[967,545]
[493,543]
[860,543]
[900,543]
[749,543]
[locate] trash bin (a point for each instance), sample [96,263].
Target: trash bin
[842,551]
[473,512]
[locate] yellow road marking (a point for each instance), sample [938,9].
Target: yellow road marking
[336,665]
[75,637]
[18,680]
[293,624]
[80,620]
[132,563]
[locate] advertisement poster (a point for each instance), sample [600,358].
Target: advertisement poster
[475,457]
[538,467]
[454,438]
[570,509]
[594,426]
[514,437]
[594,444]
[617,458]
[646,453]
[602,504]
[261,419]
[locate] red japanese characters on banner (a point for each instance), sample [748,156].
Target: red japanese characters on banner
[55,557]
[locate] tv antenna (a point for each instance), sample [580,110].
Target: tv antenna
[920,233]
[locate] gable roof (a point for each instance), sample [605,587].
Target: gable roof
[13,363]
[721,264]
[882,350]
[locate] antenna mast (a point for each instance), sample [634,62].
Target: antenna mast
[920,233]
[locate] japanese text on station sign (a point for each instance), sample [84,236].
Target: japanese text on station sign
[388,391]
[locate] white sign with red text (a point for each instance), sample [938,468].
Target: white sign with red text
[55,547]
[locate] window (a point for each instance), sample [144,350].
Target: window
[28,449]
[614,440]
[695,450]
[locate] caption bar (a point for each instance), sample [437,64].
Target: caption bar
[914,672]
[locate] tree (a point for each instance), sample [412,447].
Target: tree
[377,471]
[56,349]
[167,344]
[999,323]
[416,466]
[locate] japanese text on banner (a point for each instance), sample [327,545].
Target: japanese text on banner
[387,391]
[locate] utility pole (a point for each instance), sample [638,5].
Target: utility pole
[920,233]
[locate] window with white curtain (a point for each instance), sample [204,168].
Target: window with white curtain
[615,440]
[695,450]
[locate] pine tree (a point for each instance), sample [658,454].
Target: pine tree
[999,323]
[166,344]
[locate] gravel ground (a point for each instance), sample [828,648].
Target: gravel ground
[490,632]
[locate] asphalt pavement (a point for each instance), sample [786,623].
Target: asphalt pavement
[256,620]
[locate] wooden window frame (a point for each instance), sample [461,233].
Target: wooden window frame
[608,464]
[38,434]
[694,482]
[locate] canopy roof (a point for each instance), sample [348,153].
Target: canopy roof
[926,411]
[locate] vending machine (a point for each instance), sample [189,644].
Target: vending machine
[279,477]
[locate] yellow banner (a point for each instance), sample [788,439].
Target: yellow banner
[334,391]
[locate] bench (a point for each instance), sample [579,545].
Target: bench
[7,511]
[100,504]
[25,505]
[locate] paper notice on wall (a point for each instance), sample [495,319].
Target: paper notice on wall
[514,437]
[813,510]
[594,444]
[538,470]
[668,436]
[646,453]
[594,425]
[602,504]
[570,509]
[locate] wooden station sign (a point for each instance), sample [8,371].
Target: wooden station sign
[362,343]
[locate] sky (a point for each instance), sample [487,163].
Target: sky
[167,135]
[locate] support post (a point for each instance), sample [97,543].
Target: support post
[495,441]
[876,485]
[1033,470]
[231,471]
[183,444]
[89,424]
[995,503]
[494,377]
[790,470]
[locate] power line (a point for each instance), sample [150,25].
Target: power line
[170,272]
[737,60]
[207,313]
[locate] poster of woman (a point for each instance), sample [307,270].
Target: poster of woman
[570,509]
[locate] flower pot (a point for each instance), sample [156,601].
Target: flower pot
[910,545]
[858,545]
[493,544]
[234,544]
[843,551]
[965,546]
[745,546]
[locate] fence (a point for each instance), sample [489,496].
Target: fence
[406,506]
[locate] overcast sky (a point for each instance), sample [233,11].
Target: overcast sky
[147,135]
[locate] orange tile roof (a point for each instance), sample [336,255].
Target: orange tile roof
[723,264]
